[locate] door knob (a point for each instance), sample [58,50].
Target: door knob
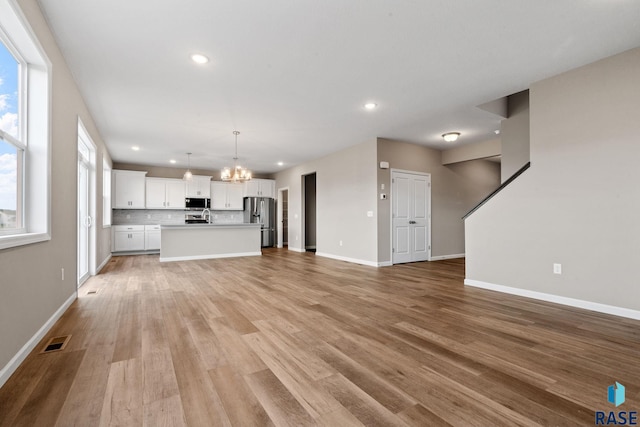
[412,222]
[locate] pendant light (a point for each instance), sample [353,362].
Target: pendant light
[188,175]
[238,173]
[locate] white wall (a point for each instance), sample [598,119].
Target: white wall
[578,204]
[345,191]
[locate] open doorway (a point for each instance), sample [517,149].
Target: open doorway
[283,217]
[309,212]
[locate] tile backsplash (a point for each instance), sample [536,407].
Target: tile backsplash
[168,217]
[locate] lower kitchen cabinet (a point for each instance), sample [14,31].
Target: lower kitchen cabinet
[128,238]
[152,237]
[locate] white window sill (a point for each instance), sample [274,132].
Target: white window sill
[13,240]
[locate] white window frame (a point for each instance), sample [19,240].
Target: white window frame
[106,194]
[34,178]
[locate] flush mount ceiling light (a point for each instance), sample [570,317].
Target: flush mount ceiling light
[135,148]
[188,175]
[280,163]
[172,161]
[370,105]
[238,173]
[451,136]
[199,58]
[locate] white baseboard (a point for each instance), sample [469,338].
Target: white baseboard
[197,257]
[353,260]
[441,257]
[385,264]
[104,263]
[291,248]
[15,362]
[572,302]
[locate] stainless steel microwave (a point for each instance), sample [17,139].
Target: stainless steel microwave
[197,203]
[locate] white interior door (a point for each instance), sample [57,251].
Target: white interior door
[411,217]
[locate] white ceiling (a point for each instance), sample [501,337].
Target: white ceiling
[292,75]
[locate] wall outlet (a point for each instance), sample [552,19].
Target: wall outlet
[370,214]
[340,242]
[62,273]
[382,186]
[296,238]
[557,268]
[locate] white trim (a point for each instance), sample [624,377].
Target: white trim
[441,257]
[347,259]
[572,302]
[104,264]
[14,363]
[385,264]
[13,240]
[214,256]
[294,249]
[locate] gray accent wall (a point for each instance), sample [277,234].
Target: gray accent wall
[578,204]
[514,133]
[455,189]
[345,192]
[32,289]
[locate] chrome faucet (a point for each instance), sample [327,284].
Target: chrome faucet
[208,212]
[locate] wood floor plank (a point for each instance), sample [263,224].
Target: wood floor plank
[44,403]
[238,399]
[295,339]
[123,396]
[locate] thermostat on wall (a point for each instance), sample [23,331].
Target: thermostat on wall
[384,165]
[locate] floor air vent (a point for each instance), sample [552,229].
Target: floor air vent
[93,292]
[56,344]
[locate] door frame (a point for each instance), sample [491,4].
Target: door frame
[279,228]
[391,196]
[83,135]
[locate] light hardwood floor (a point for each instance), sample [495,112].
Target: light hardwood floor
[295,339]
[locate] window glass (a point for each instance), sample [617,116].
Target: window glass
[10,154]
[8,185]
[9,72]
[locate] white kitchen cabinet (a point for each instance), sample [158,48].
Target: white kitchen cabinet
[226,196]
[152,237]
[199,187]
[128,238]
[165,193]
[128,189]
[260,188]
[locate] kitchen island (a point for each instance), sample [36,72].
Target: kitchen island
[205,241]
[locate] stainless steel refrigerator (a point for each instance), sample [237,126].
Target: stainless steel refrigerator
[261,210]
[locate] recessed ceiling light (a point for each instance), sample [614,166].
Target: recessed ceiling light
[370,105]
[135,148]
[199,58]
[172,161]
[451,136]
[280,163]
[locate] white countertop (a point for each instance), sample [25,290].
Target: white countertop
[242,225]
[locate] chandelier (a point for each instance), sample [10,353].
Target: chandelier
[238,173]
